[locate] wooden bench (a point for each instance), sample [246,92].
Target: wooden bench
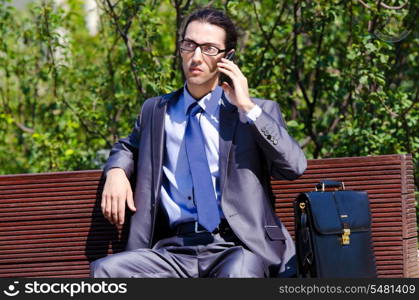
[51,224]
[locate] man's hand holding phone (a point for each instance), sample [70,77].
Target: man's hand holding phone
[238,91]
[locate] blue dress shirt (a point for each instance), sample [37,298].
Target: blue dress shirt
[176,191]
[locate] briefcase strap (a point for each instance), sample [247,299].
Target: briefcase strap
[344,218]
[306,253]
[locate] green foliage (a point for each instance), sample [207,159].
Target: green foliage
[344,73]
[68,96]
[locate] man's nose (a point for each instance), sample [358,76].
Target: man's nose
[197,55]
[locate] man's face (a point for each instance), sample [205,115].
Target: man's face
[199,68]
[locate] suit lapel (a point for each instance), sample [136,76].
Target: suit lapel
[158,137]
[229,117]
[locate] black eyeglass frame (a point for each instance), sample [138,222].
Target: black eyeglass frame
[200,45]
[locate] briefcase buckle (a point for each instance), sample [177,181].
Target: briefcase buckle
[345,236]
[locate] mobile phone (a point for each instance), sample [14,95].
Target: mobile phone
[223,77]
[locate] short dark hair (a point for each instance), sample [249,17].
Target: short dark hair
[215,17]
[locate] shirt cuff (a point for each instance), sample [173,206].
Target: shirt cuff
[255,112]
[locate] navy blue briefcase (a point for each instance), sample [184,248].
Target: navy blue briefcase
[333,233]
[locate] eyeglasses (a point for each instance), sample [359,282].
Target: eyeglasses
[207,49]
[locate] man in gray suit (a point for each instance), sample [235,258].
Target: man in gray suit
[202,199]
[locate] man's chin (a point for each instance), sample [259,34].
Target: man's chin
[198,81]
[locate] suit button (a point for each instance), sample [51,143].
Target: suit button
[269,136]
[275,142]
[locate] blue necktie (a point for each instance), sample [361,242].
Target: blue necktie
[204,194]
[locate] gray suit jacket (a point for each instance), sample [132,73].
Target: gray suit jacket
[250,153]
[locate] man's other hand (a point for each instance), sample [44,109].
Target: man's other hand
[116,193]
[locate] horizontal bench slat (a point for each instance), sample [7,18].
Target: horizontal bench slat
[30,189]
[57,274]
[55,195]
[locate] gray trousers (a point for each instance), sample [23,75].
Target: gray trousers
[188,256]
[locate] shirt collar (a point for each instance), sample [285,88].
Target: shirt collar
[208,103]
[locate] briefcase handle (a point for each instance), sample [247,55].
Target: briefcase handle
[329,184]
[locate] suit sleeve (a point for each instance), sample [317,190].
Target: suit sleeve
[285,158]
[124,153]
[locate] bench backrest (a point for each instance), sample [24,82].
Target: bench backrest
[51,224]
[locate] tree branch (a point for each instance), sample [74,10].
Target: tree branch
[371,24]
[310,105]
[267,41]
[8,110]
[180,10]
[395,7]
[414,102]
[123,32]
[364,4]
[342,110]
[385,5]
[24,128]
[295,58]
[316,84]
[258,20]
